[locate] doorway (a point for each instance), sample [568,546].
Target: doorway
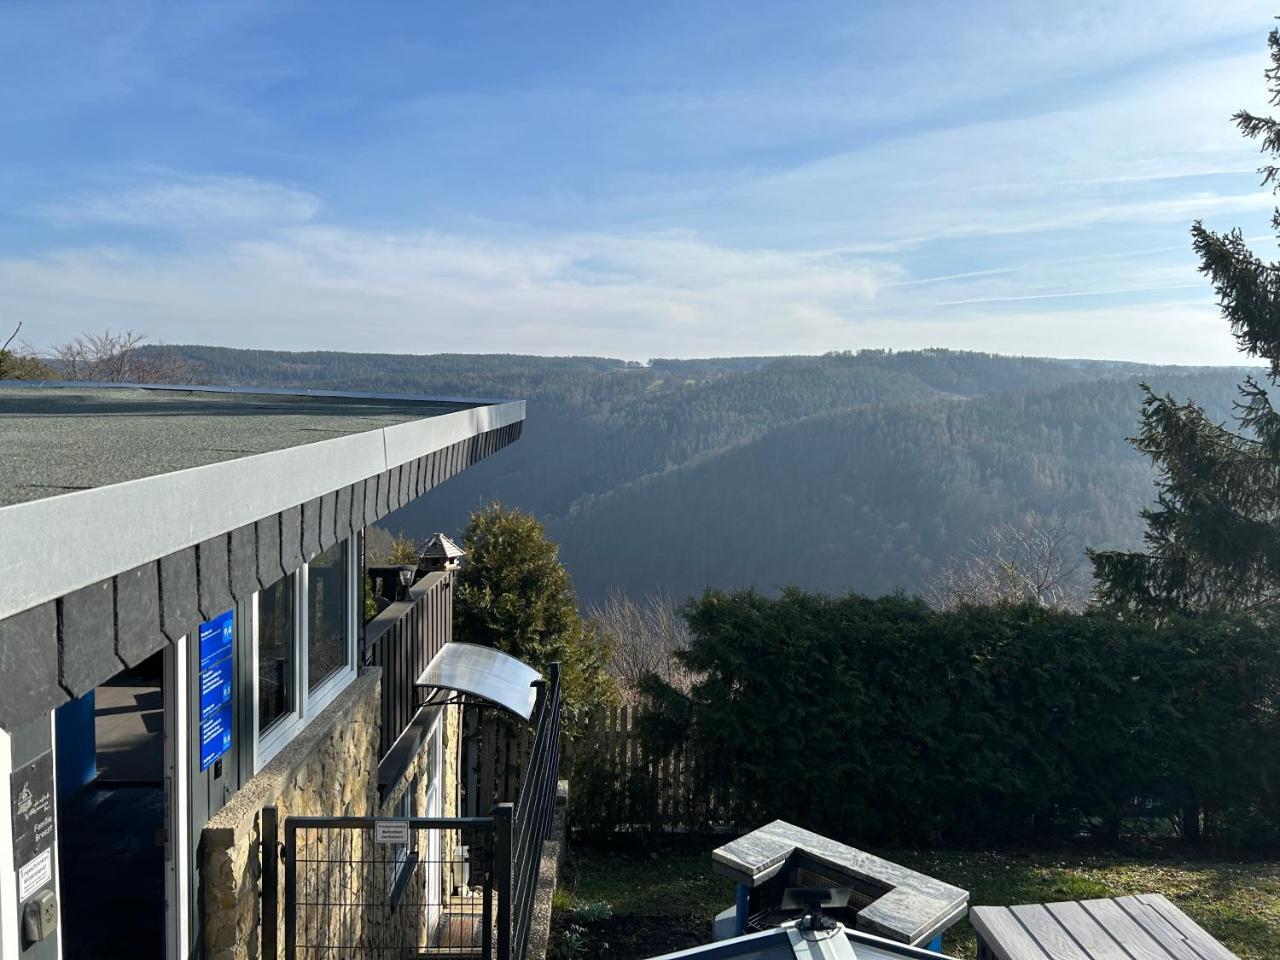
[111,817]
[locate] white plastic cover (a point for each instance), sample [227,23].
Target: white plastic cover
[485,673]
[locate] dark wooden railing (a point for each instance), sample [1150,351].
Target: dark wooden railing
[401,640]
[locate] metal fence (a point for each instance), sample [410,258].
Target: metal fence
[533,818]
[360,887]
[368,888]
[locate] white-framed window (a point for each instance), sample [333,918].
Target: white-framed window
[304,646]
[406,808]
[433,855]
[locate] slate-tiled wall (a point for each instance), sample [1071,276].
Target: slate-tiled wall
[67,647]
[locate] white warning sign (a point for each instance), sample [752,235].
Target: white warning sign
[35,873]
[391,831]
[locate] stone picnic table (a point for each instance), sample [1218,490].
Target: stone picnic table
[1144,927]
[905,906]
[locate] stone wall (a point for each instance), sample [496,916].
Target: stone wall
[329,769]
[415,777]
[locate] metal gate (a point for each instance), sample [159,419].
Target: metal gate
[368,888]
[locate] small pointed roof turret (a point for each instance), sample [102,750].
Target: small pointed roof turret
[441,553]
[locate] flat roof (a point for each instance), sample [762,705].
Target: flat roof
[96,479]
[58,439]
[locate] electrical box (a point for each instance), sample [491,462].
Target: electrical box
[39,916]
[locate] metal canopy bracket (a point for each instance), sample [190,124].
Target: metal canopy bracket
[482,672]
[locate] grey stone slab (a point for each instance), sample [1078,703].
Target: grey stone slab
[1004,936]
[1191,932]
[390,492]
[1120,928]
[243,562]
[311,528]
[179,594]
[370,515]
[415,479]
[915,907]
[213,557]
[29,666]
[291,539]
[269,568]
[406,485]
[138,633]
[88,638]
[386,480]
[350,501]
[328,510]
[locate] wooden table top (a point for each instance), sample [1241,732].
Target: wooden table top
[1145,927]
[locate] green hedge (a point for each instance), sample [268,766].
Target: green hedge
[883,720]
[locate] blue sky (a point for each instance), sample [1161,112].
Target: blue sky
[636,180]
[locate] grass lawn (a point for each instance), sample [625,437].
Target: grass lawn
[664,901]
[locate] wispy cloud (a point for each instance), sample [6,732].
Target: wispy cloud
[677,184]
[189,204]
[638,295]
[1070,294]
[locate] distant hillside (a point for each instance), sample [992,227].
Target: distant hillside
[862,471]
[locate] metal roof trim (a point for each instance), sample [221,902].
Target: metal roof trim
[61,543]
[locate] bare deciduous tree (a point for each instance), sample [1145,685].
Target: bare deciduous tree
[645,634]
[20,364]
[111,357]
[1029,561]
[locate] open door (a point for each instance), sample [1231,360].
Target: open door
[111,817]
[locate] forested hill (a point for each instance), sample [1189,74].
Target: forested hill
[863,471]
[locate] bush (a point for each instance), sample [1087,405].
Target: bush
[883,720]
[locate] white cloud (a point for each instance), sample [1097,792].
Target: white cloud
[636,296]
[997,228]
[323,287]
[190,205]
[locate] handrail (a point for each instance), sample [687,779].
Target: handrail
[533,816]
[401,640]
[380,625]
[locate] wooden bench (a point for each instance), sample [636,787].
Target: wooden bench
[1145,927]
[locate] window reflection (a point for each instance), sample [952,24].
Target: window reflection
[327,614]
[276,696]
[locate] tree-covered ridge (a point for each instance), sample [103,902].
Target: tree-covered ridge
[878,497]
[863,471]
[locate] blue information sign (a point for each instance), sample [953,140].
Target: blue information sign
[216,683]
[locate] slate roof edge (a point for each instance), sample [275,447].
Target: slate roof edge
[59,544]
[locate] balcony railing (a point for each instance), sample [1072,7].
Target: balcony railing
[401,640]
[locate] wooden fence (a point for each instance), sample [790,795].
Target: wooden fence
[618,784]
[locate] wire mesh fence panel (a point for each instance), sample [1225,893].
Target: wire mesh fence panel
[365,889]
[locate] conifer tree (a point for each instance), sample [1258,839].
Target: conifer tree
[515,595]
[1213,535]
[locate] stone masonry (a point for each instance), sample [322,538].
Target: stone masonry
[329,769]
